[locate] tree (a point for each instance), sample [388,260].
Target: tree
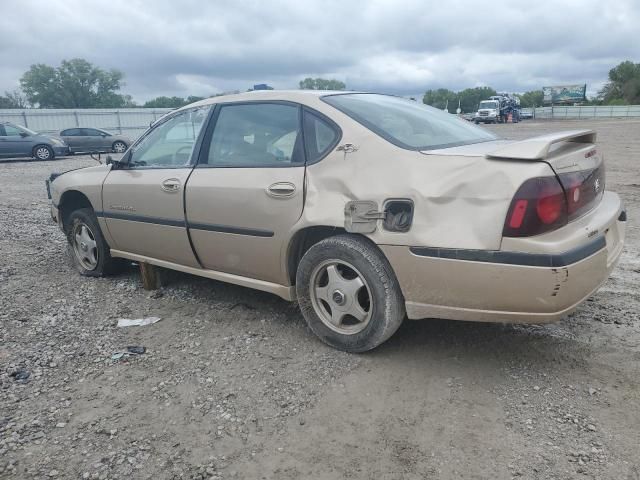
[172,102]
[321,84]
[13,100]
[623,86]
[469,98]
[438,99]
[533,98]
[76,83]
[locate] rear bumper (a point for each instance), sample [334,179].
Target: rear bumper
[508,286]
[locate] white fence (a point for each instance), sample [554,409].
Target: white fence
[600,111]
[128,121]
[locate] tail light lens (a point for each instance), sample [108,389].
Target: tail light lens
[538,206]
[545,203]
[584,190]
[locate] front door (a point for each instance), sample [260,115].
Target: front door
[143,203]
[246,194]
[14,141]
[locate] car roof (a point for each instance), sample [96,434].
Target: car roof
[298,96]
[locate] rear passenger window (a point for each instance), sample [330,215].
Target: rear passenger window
[256,135]
[319,136]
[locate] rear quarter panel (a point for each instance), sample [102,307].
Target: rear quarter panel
[460,201]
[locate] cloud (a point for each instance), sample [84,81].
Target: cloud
[199,48]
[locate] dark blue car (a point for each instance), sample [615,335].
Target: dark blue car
[18,141]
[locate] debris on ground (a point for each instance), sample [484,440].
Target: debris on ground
[138,322]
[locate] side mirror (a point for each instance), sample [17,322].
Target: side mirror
[115,164]
[24,134]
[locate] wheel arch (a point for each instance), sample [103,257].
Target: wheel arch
[302,241]
[307,237]
[70,201]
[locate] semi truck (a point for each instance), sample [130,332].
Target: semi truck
[498,108]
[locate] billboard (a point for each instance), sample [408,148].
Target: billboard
[564,94]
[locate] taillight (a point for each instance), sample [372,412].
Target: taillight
[583,189]
[544,203]
[538,206]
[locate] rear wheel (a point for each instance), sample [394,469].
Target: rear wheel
[90,252]
[349,294]
[119,147]
[43,152]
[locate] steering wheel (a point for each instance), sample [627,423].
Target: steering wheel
[174,157]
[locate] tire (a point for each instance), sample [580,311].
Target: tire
[325,293]
[89,250]
[119,147]
[43,152]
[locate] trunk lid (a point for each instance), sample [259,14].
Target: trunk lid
[573,156]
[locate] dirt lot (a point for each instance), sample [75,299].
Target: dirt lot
[233,385]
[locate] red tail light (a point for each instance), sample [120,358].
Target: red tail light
[538,206]
[545,203]
[584,190]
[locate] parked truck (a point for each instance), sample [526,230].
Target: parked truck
[498,108]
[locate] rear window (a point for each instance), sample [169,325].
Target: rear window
[406,123]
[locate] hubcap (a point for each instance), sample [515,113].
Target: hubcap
[85,246]
[119,147]
[341,297]
[42,153]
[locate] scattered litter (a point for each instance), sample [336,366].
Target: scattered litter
[138,322]
[21,375]
[137,350]
[130,350]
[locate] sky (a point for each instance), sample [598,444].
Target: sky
[204,47]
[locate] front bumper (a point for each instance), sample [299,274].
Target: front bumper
[61,151]
[508,286]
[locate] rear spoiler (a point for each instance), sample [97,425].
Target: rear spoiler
[537,148]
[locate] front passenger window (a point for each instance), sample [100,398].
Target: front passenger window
[170,144]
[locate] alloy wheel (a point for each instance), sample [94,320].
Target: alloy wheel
[341,297]
[43,153]
[85,246]
[119,147]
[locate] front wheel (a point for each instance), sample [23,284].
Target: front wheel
[43,152]
[348,293]
[89,250]
[119,147]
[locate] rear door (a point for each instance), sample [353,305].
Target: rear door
[143,204]
[74,138]
[94,139]
[247,191]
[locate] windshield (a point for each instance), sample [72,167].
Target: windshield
[24,129]
[488,105]
[406,123]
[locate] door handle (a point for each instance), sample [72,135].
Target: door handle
[171,185]
[281,190]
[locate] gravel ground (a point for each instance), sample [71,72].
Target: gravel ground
[233,385]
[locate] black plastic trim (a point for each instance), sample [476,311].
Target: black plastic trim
[515,258]
[623,216]
[253,232]
[141,218]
